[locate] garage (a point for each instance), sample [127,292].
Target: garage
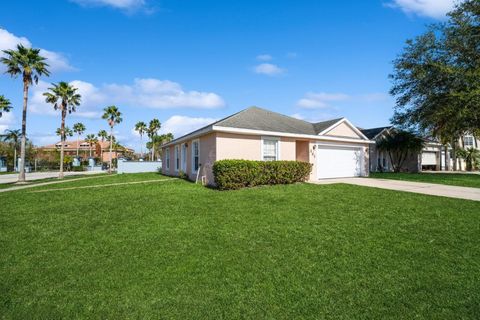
[339,162]
[429,158]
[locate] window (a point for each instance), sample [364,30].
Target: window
[177,158]
[167,158]
[468,141]
[269,149]
[195,156]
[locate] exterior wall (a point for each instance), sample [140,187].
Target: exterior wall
[138,166]
[342,130]
[239,146]
[207,157]
[288,149]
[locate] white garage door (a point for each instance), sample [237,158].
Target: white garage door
[429,158]
[338,162]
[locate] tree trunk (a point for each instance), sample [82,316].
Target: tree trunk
[62,139]
[78,143]
[21,174]
[110,156]
[15,159]
[141,146]
[447,163]
[454,155]
[153,151]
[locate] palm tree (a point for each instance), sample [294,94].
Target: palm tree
[152,131]
[79,129]
[92,140]
[67,132]
[5,105]
[399,144]
[63,96]
[12,137]
[102,134]
[141,128]
[113,117]
[31,65]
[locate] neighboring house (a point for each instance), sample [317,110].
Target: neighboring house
[99,150]
[434,156]
[336,148]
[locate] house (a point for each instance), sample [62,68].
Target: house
[336,148]
[434,155]
[100,150]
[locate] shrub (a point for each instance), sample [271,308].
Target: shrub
[236,174]
[79,168]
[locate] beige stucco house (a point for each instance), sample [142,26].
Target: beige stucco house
[336,148]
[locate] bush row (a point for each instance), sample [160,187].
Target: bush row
[236,174]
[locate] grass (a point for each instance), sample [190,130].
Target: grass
[454,179]
[176,250]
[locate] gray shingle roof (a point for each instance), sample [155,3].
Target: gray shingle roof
[371,133]
[256,118]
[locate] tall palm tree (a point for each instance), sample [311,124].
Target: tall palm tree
[141,128]
[102,134]
[79,129]
[63,96]
[92,140]
[5,105]
[12,137]
[152,131]
[31,65]
[113,117]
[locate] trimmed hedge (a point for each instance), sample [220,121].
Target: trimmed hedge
[236,174]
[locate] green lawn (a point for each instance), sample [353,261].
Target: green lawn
[454,179]
[176,250]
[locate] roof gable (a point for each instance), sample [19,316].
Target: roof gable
[343,128]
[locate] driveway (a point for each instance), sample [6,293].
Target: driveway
[9,178]
[409,186]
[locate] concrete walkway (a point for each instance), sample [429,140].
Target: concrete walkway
[409,186]
[10,178]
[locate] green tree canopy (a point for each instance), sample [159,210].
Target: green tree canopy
[436,79]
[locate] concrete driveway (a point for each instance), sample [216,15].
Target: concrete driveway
[9,178]
[409,186]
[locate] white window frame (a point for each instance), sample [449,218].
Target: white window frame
[465,140]
[197,141]
[268,138]
[167,158]
[177,157]
[183,157]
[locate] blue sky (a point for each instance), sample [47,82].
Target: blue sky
[188,62]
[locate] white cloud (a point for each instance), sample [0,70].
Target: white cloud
[56,60]
[180,125]
[264,57]
[429,8]
[6,121]
[126,5]
[268,69]
[320,100]
[149,93]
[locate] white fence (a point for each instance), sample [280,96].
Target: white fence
[138,166]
